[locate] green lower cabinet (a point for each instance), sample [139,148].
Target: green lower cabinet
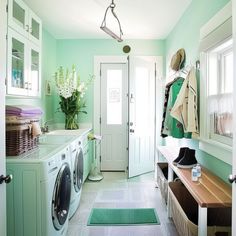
[23,201]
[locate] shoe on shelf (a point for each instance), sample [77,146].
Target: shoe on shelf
[188,160]
[180,156]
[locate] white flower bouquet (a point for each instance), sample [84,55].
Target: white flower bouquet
[71,91]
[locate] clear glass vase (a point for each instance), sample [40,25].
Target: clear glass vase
[71,121]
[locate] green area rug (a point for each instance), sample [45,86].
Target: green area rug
[127,216]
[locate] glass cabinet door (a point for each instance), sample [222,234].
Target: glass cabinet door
[24,21]
[18,62]
[16,72]
[34,76]
[35,27]
[18,16]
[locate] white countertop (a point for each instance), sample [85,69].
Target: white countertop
[36,155]
[67,132]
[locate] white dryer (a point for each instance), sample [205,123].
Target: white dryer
[39,194]
[77,169]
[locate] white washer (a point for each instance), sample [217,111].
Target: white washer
[77,164]
[39,194]
[77,169]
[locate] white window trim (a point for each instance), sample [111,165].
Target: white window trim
[220,150]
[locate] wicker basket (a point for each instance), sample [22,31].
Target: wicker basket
[162,179]
[19,138]
[184,211]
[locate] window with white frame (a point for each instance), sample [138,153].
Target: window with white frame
[216,85]
[219,92]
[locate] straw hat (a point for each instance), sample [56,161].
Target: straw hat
[178,60]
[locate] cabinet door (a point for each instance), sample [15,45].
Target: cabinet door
[35,28]
[33,79]
[17,61]
[18,16]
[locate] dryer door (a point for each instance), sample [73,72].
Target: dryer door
[61,197]
[78,170]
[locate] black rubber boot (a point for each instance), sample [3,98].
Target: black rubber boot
[180,156]
[189,159]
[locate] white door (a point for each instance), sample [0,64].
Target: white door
[142,115]
[234,133]
[3,31]
[114,116]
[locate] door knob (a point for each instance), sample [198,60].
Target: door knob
[131,130]
[232,178]
[7,179]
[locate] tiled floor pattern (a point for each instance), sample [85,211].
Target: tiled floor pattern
[116,191]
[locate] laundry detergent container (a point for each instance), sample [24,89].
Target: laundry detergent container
[184,211]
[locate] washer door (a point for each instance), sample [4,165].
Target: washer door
[78,170]
[61,197]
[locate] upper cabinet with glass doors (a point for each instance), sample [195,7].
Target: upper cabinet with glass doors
[24,50]
[24,21]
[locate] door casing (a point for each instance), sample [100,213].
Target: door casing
[97,88]
[234,121]
[3,46]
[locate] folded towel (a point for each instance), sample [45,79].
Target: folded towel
[22,110]
[21,114]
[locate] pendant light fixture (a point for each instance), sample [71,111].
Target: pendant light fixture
[106,29]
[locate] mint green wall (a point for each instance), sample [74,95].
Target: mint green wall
[186,35]
[81,52]
[49,60]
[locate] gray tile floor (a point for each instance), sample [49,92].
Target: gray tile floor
[116,191]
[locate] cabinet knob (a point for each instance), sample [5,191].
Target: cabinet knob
[7,179]
[232,178]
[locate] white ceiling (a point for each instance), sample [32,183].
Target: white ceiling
[140,19]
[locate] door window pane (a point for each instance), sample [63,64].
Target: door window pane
[17,63]
[114,97]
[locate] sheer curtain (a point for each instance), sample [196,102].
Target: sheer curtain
[220,108]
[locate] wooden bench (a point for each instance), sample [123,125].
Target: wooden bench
[209,192]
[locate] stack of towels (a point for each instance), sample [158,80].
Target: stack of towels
[25,114]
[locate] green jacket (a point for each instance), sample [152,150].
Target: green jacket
[173,127]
